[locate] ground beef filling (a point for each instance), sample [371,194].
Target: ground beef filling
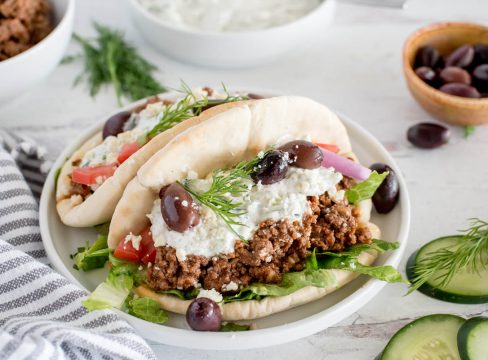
[276,248]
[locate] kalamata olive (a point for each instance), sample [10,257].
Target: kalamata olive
[427,56]
[272,168]
[178,209]
[426,74]
[428,135]
[386,196]
[461,57]
[480,77]
[115,124]
[480,55]
[303,154]
[458,89]
[453,74]
[204,314]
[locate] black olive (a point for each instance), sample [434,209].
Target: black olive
[272,168]
[428,135]
[178,209]
[115,124]
[303,154]
[204,315]
[386,196]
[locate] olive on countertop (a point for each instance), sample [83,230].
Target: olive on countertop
[115,124]
[386,196]
[428,135]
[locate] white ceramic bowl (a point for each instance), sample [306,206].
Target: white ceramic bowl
[232,49]
[21,72]
[60,241]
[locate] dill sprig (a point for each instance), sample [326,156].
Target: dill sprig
[188,107]
[226,186]
[444,263]
[109,59]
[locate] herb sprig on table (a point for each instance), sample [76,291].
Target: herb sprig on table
[446,262]
[110,60]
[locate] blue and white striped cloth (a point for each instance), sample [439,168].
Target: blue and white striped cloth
[41,316]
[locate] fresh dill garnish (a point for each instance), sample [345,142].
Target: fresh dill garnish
[469,131]
[109,59]
[226,185]
[443,264]
[188,107]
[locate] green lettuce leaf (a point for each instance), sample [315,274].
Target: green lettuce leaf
[147,309]
[379,245]
[56,177]
[115,289]
[183,295]
[234,327]
[366,189]
[92,257]
[102,229]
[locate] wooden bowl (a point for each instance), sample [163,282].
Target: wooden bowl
[445,37]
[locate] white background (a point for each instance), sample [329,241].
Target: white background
[355,68]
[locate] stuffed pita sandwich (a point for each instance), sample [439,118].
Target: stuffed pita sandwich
[255,208]
[93,179]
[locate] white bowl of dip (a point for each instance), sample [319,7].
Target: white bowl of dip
[235,36]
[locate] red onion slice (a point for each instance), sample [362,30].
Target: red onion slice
[345,166]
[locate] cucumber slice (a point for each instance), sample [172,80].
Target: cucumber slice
[429,337]
[472,339]
[466,287]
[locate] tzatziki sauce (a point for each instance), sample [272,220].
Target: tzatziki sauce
[286,199]
[228,15]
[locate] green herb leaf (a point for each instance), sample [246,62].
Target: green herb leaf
[443,264]
[92,257]
[469,131]
[225,187]
[366,189]
[110,60]
[227,327]
[147,309]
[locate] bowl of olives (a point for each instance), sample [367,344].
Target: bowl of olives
[446,70]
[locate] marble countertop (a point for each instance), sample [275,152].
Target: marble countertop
[354,68]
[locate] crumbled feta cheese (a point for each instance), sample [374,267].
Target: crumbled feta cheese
[135,239]
[232,286]
[211,294]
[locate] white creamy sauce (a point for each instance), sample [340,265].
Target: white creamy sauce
[228,15]
[136,130]
[286,199]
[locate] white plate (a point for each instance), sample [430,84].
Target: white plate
[60,241]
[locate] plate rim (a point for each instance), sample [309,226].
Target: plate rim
[240,340]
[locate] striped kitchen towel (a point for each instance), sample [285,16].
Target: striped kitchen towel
[41,316]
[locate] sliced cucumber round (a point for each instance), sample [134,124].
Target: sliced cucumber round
[429,337]
[472,339]
[465,287]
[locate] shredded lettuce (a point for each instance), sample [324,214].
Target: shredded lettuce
[348,260]
[115,289]
[147,309]
[92,257]
[183,295]
[234,327]
[102,229]
[365,189]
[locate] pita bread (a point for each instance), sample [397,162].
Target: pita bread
[99,207]
[226,138]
